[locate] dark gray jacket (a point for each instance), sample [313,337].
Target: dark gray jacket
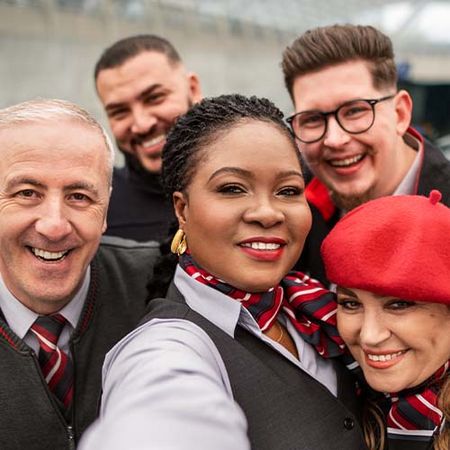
[31,417]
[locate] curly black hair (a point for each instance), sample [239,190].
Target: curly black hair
[185,146]
[202,124]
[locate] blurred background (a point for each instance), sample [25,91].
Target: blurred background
[48,48]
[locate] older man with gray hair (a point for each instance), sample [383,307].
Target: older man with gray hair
[65,297]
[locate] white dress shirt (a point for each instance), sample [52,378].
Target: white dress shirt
[408,185]
[20,318]
[165,385]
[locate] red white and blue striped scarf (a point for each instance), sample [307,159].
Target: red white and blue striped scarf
[311,309]
[413,414]
[308,305]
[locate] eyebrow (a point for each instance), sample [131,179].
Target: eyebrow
[17,181]
[246,173]
[331,110]
[146,91]
[342,290]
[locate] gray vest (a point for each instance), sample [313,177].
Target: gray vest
[285,407]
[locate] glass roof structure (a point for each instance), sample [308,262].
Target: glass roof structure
[413,25]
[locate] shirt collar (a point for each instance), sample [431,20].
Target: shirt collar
[408,185]
[20,318]
[72,310]
[221,310]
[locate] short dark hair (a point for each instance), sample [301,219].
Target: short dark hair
[203,123]
[125,49]
[326,46]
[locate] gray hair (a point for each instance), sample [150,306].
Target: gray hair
[41,109]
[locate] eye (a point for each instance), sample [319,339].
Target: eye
[310,120]
[399,305]
[349,304]
[355,110]
[27,193]
[79,197]
[117,114]
[290,191]
[155,97]
[231,189]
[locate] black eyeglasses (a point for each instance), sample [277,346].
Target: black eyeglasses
[354,117]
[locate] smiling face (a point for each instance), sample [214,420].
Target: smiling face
[142,99]
[244,213]
[398,344]
[54,193]
[355,167]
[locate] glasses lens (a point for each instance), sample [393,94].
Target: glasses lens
[309,126]
[356,117]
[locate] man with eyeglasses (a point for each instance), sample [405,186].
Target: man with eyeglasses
[353,128]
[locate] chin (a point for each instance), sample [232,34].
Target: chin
[381,383]
[153,168]
[348,202]
[255,286]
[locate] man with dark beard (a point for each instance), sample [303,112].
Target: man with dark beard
[353,128]
[143,86]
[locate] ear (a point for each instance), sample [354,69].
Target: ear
[180,205]
[105,225]
[195,90]
[403,110]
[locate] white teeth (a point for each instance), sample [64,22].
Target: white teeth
[49,256]
[261,245]
[383,358]
[346,162]
[154,141]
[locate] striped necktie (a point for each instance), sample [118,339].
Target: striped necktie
[56,367]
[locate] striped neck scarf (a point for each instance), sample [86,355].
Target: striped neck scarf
[413,413]
[307,304]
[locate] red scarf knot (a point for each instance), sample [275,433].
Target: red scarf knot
[308,305]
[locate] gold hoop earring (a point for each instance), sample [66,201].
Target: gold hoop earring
[179,244]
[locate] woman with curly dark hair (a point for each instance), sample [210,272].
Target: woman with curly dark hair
[241,352]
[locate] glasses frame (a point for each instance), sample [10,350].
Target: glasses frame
[371,101]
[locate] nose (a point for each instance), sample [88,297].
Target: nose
[143,121]
[52,222]
[264,211]
[335,136]
[374,330]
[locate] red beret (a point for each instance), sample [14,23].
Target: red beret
[395,246]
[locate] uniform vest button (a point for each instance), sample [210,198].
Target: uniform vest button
[349,423]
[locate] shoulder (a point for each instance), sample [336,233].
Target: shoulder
[117,252]
[120,173]
[173,333]
[162,377]
[170,346]
[434,155]
[435,173]
[118,245]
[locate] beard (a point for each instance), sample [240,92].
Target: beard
[349,202]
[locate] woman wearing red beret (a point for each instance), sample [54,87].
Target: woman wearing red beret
[390,260]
